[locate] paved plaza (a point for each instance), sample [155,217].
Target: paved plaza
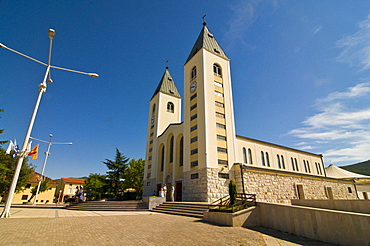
[59,226]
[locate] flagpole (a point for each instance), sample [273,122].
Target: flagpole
[47,153]
[6,211]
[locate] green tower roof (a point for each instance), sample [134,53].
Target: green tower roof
[207,41]
[167,85]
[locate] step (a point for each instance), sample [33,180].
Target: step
[182,208]
[110,206]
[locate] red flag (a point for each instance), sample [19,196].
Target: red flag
[34,152]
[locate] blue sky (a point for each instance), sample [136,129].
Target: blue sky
[300,73]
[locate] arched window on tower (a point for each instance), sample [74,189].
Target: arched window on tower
[193,73]
[153,110]
[170,107]
[217,70]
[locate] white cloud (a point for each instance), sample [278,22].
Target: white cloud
[356,47]
[346,129]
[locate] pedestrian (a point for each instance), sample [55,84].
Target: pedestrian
[161,194]
[165,190]
[172,193]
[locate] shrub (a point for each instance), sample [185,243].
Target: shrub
[232,191]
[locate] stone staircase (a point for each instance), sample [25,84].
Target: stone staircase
[110,206]
[192,209]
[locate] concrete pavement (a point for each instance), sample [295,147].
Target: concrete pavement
[57,226]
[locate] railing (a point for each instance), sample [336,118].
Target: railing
[242,201]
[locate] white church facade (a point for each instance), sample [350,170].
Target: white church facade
[199,155]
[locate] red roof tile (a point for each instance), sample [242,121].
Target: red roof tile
[73,181]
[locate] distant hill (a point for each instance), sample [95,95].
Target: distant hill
[361,168]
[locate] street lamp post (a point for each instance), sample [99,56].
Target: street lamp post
[47,153]
[23,151]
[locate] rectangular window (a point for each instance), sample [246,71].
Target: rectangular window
[194,139]
[194,163]
[219,137]
[152,126]
[219,104]
[193,107]
[219,94]
[220,115]
[148,175]
[223,150]
[150,150]
[223,175]
[222,162]
[149,166]
[151,134]
[148,183]
[27,186]
[218,84]
[193,128]
[193,96]
[24,197]
[149,158]
[194,176]
[220,126]
[193,117]
[349,190]
[193,151]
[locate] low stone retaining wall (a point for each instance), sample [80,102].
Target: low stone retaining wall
[357,206]
[153,201]
[338,227]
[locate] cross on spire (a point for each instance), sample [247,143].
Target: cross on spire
[167,64]
[204,20]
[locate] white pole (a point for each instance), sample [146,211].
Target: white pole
[6,211]
[47,153]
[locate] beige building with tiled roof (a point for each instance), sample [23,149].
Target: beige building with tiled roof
[67,188]
[199,155]
[42,198]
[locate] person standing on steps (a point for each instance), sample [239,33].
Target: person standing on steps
[172,193]
[165,191]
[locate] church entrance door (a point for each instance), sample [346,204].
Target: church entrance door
[178,191]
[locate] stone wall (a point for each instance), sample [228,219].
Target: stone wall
[208,187]
[281,187]
[149,187]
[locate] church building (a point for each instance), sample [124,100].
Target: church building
[201,153]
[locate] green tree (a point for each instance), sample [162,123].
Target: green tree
[117,172]
[7,169]
[2,130]
[232,191]
[96,185]
[44,186]
[134,176]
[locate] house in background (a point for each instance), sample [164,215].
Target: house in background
[42,198]
[67,188]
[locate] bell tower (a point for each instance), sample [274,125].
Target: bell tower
[164,109]
[209,129]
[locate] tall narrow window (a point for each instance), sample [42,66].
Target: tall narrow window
[171,149]
[170,107]
[181,155]
[296,164]
[267,159]
[263,159]
[162,159]
[282,162]
[217,70]
[278,159]
[250,156]
[293,166]
[245,155]
[153,110]
[193,73]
